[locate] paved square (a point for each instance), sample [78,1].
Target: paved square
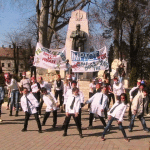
[11,136]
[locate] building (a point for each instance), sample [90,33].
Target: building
[7,61]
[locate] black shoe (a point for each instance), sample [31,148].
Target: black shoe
[43,124]
[24,130]
[146,130]
[80,135]
[16,114]
[40,131]
[130,130]
[65,134]
[10,113]
[63,127]
[89,127]
[54,126]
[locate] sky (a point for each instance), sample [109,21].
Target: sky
[13,17]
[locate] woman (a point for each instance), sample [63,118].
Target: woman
[117,112]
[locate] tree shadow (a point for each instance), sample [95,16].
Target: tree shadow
[139,137]
[98,134]
[57,128]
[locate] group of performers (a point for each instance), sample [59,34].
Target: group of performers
[34,92]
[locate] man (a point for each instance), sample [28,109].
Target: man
[48,87]
[133,92]
[2,92]
[32,67]
[72,109]
[118,88]
[139,106]
[25,82]
[121,72]
[67,95]
[51,104]
[15,91]
[68,67]
[29,105]
[58,90]
[79,38]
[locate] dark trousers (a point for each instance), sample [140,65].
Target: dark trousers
[91,120]
[59,93]
[90,95]
[8,102]
[111,95]
[80,116]
[33,70]
[1,102]
[27,116]
[109,124]
[141,118]
[37,96]
[77,121]
[47,114]
[105,113]
[14,100]
[40,106]
[130,113]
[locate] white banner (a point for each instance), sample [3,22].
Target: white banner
[49,58]
[89,62]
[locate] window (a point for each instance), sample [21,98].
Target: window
[9,64]
[3,65]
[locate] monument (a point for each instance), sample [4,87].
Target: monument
[78,36]
[79,39]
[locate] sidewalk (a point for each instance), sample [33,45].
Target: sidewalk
[12,137]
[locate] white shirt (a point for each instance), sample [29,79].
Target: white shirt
[47,85]
[96,105]
[34,88]
[66,88]
[76,105]
[25,83]
[58,88]
[92,87]
[50,102]
[118,89]
[13,85]
[130,92]
[69,92]
[118,111]
[33,103]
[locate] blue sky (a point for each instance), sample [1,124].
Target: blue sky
[13,17]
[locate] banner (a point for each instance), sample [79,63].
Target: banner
[89,62]
[49,58]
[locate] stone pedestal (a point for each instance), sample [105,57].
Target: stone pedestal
[78,17]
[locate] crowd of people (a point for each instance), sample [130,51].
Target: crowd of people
[30,95]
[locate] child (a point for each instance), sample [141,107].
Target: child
[50,102]
[98,104]
[116,112]
[29,105]
[72,109]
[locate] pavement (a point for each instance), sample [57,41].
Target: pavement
[12,138]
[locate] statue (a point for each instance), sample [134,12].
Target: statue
[79,38]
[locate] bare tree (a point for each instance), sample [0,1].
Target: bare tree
[53,15]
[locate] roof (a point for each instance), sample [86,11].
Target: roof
[7,52]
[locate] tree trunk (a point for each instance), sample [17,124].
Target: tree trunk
[43,25]
[116,43]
